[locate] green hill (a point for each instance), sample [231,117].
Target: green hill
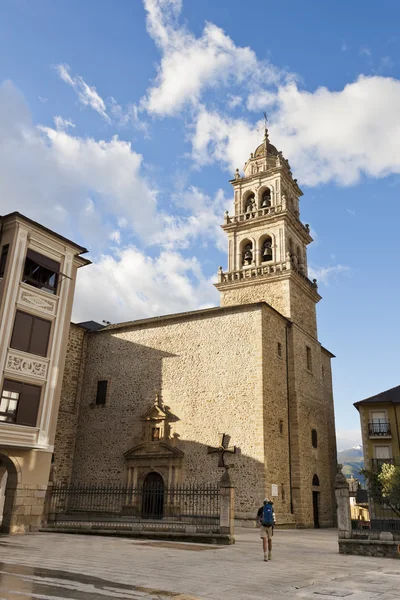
[352,460]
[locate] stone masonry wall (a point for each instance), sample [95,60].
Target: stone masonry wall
[69,405]
[208,369]
[275,293]
[276,441]
[311,408]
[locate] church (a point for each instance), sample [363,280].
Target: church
[147,398]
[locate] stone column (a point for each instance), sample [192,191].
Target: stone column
[343,505]
[227,507]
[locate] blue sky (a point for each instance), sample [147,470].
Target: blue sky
[122,122]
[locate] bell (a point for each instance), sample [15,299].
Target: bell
[267,254]
[248,257]
[266,202]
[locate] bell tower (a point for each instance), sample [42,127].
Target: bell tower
[267,242]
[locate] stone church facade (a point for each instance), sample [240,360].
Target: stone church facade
[151,396]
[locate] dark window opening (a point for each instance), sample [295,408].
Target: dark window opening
[30,334]
[315,480]
[247,257]
[3,259]
[314,438]
[309,358]
[279,349]
[283,492]
[41,272]
[19,403]
[281,427]
[250,204]
[101,395]
[155,434]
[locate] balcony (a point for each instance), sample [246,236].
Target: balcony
[378,462]
[379,429]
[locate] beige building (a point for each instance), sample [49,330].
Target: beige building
[143,400]
[37,279]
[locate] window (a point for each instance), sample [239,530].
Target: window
[314,438]
[279,349]
[281,427]
[155,434]
[41,272]
[283,492]
[315,480]
[3,259]
[19,403]
[101,395]
[267,250]
[309,358]
[30,334]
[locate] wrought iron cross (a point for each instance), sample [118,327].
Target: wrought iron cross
[222,449]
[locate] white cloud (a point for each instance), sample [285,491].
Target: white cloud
[234,101]
[42,166]
[87,95]
[328,136]
[325,274]
[348,438]
[364,51]
[132,285]
[190,65]
[63,124]
[203,222]
[344,47]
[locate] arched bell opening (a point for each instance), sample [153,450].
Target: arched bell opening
[249,202]
[266,247]
[247,253]
[266,198]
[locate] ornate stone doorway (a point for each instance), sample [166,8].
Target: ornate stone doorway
[153,497]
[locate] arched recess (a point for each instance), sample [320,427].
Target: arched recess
[315,480]
[248,197]
[246,252]
[153,496]
[11,471]
[265,197]
[267,248]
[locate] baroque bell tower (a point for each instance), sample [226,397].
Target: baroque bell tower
[267,242]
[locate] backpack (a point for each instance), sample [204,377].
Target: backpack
[267,515]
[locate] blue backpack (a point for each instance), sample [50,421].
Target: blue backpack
[268,515]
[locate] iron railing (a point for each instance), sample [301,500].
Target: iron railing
[149,507]
[379,429]
[372,514]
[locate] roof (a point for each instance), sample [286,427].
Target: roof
[260,150]
[190,314]
[90,325]
[81,249]
[391,396]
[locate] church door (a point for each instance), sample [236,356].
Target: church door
[315,497]
[153,497]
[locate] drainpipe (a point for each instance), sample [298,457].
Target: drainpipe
[288,421]
[397,425]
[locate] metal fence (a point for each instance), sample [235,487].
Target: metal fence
[151,507]
[373,515]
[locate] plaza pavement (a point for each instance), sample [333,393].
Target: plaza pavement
[305,564]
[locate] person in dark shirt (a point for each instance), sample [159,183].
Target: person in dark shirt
[266,522]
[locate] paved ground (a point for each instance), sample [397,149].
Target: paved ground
[305,565]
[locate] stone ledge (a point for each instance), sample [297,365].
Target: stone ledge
[377,548]
[179,536]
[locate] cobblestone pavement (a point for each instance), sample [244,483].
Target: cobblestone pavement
[305,565]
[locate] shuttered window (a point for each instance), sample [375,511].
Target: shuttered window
[19,403]
[101,395]
[30,334]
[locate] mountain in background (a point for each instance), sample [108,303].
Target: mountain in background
[352,460]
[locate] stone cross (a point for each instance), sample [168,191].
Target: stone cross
[222,449]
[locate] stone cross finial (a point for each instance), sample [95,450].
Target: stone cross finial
[222,449]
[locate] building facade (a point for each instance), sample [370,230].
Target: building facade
[380,428]
[37,278]
[150,396]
